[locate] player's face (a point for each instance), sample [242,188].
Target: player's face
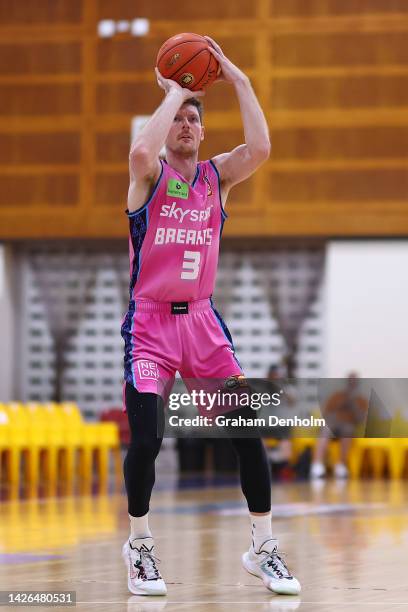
[186,133]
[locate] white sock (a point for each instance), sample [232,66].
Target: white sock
[139,527]
[261,529]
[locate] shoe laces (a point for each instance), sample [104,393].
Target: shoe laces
[148,561]
[275,562]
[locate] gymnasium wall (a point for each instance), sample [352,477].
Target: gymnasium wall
[366,305]
[330,74]
[8,313]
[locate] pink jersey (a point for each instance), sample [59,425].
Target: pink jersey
[174,237]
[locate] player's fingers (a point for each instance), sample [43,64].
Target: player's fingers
[215,53]
[158,74]
[161,81]
[214,44]
[198,94]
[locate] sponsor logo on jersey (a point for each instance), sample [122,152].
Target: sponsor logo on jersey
[209,188]
[177,189]
[176,212]
[147,369]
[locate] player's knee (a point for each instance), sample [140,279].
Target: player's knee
[144,448]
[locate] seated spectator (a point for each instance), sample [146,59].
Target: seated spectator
[344,411]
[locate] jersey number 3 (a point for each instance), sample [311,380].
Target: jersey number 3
[191,265]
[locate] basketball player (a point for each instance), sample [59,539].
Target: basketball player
[176,210]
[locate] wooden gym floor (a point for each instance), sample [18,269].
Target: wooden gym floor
[346,541]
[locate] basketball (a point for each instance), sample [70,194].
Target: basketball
[185,58]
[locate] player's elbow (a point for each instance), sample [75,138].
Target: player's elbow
[140,160]
[263,151]
[138,154]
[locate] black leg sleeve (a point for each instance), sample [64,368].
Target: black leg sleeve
[254,472]
[143,410]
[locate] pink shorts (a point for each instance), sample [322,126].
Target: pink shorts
[159,343]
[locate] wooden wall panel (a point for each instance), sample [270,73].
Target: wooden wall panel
[40,99]
[52,149]
[330,74]
[347,92]
[312,8]
[240,197]
[31,191]
[38,12]
[127,98]
[333,143]
[339,49]
[113,147]
[164,10]
[220,140]
[339,185]
[111,189]
[126,54]
[40,58]
[136,54]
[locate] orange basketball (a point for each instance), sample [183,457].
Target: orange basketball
[185,58]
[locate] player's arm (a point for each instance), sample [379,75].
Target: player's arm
[144,165]
[241,162]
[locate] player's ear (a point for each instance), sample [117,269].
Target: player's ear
[202,133]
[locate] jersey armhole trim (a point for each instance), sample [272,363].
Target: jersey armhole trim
[223,213]
[142,208]
[196,174]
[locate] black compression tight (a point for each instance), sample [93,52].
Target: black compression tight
[139,465]
[138,468]
[254,473]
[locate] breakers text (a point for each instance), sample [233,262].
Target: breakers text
[166,235]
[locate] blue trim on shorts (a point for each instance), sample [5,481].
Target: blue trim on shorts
[225,330]
[126,332]
[131,350]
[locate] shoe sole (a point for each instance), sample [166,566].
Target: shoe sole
[140,591]
[253,569]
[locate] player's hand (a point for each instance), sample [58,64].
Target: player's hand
[169,85]
[228,71]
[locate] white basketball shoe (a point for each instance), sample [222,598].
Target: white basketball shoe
[317,470]
[340,471]
[143,576]
[271,568]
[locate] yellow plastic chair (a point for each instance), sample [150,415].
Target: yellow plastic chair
[72,424]
[109,444]
[99,440]
[4,435]
[303,438]
[51,436]
[378,452]
[91,440]
[18,443]
[38,446]
[56,443]
[400,431]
